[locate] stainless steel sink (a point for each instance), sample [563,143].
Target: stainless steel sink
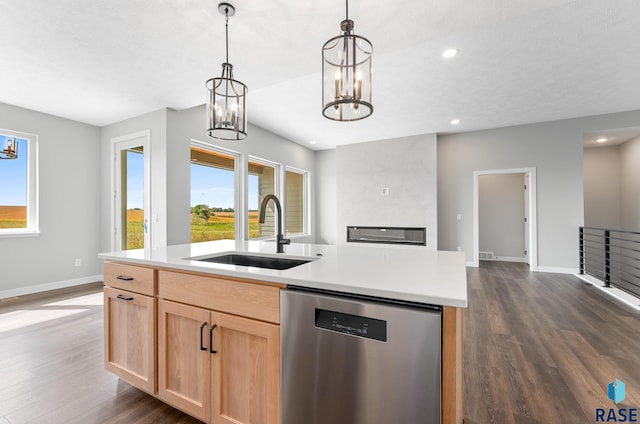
[270,262]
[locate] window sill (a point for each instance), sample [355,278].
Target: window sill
[24,233]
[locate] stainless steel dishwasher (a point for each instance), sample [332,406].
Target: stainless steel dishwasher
[358,360]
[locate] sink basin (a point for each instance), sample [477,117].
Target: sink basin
[270,262]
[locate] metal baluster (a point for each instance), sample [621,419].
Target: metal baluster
[607,263]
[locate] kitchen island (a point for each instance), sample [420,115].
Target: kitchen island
[161,303]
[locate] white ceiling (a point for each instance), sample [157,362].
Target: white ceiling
[101,61]
[613,137]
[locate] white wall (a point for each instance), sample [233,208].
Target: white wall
[406,167]
[501,214]
[326,196]
[156,122]
[69,207]
[554,148]
[171,135]
[630,185]
[190,124]
[602,187]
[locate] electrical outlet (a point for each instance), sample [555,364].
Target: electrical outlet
[77,262]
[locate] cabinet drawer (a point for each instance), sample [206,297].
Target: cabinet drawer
[130,337]
[130,277]
[252,300]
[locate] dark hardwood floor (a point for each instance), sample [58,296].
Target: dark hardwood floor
[539,348]
[542,348]
[51,371]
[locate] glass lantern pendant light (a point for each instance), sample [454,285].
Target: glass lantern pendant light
[346,75]
[9,149]
[226,108]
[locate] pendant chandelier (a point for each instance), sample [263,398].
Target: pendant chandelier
[346,75]
[226,108]
[9,149]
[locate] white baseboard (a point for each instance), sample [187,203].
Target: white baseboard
[553,269]
[509,259]
[620,295]
[557,269]
[21,291]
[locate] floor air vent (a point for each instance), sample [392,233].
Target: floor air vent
[486,256]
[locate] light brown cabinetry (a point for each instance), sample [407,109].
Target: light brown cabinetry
[215,360]
[184,361]
[130,325]
[218,367]
[209,346]
[245,371]
[452,398]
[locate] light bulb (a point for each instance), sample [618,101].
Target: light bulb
[337,85]
[357,86]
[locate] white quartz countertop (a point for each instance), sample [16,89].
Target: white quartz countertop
[409,273]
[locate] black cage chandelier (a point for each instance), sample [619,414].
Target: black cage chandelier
[226,104]
[346,75]
[9,149]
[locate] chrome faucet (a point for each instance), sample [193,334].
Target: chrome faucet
[280,240]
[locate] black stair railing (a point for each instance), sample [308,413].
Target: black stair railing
[612,256]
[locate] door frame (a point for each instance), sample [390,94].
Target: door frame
[140,138]
[532,248]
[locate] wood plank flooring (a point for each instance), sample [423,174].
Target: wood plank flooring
[51,369]
[539,348]
[542,348]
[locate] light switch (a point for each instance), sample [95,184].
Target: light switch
[459,216]
[385,191]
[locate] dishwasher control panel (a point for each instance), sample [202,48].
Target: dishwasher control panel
[353,325]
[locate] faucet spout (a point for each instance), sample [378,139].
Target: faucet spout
[280,240]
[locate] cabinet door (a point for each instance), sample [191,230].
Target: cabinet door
[245,371]
[130,337]
[183,358]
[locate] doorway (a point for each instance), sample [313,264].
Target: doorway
[529,222]
[131,188]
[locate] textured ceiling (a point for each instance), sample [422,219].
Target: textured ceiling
[101,61]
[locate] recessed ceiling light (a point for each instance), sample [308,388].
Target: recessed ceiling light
[601,140]
[449,53]
[312,142]
[455,121]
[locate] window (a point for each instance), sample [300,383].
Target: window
[224,182]
[212,194]
[261,181]
[295,184]
[18,189]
